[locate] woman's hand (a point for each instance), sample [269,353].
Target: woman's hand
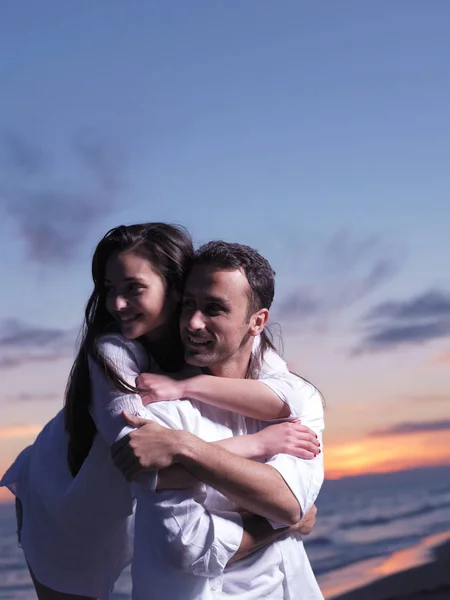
[290,437]
[157,388]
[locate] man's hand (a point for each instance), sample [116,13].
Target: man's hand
[305,525]
[156,388]
[149,447]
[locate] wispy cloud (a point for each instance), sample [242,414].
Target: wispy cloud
[439,360]
[34,397]
[426,398]
[19,431]
[54,217]
[405,323]
[413,427]
[22,343]
[347,269]
[429,305]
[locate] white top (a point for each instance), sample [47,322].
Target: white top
[184,539]
[77,532]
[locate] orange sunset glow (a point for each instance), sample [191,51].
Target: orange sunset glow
[383,454]
[371,454]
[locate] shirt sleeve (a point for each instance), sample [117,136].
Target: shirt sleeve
[304,477]
[275,374]
[192,538]
[129,359]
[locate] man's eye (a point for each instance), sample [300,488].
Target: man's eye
[215,308]
[187,304]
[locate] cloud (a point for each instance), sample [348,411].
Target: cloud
[19,431]
[427,398]
[27,397]
[299,304]
[410,322]
[22,343]
[347,269]
[54,217]
[411,427]
[443,358]
[430,304]
[21,156]
[392,336]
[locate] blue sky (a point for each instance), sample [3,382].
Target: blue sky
[316,132]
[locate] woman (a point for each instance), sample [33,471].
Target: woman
[77,508]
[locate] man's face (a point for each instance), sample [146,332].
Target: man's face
[214,323]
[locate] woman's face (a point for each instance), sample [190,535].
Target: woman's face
[136,296]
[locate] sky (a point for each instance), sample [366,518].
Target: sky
[316,132]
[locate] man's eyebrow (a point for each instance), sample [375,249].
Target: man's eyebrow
[216,299]
[134,279]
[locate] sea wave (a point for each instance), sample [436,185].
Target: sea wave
[387,519]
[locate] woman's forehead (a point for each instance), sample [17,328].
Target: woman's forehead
[125,265]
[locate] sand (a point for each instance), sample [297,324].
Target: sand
[426,582]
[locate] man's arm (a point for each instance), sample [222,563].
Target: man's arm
[258,532]
[256,487]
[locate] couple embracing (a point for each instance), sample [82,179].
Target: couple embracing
[185,446]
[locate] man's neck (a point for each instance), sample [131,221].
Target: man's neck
[236,366]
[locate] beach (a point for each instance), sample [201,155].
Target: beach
[377,537]
[430,581]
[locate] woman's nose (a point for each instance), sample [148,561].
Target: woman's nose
[120,303]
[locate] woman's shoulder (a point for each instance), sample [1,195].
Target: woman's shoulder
[118,349]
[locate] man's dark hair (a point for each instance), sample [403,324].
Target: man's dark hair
[260,277]
[259,273]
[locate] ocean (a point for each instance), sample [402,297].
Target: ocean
[361,522]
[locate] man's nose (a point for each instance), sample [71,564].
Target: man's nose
[196,321]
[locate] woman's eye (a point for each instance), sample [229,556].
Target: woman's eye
[136,287]
[187,304]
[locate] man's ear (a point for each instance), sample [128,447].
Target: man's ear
[258,321]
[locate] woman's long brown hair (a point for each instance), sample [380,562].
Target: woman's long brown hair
[169,250]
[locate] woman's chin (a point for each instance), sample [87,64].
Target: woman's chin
[130,333]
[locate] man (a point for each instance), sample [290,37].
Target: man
[194,543]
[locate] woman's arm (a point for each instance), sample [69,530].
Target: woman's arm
[291,438]
[248,397]
[108,403]
[274,395]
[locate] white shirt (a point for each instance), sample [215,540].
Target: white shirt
[78,532]
[184,539]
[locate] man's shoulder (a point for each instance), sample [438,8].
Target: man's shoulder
[181,414]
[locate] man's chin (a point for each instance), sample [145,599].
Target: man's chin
[197,359]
